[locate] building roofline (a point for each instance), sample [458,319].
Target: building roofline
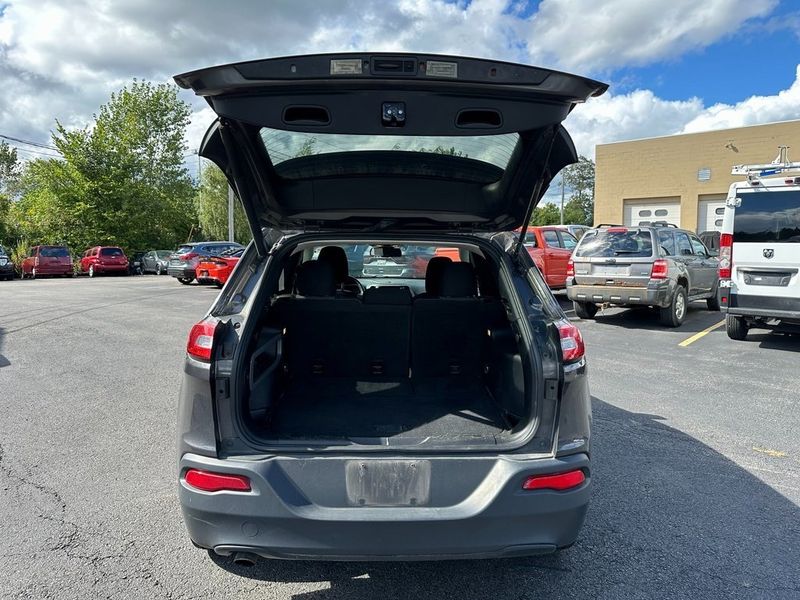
[677,135]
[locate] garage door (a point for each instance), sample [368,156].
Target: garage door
[710,210]
[662,209]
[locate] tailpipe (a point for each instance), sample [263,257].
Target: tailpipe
[244,559]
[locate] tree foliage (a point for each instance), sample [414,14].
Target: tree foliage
[579,180]
[212,208]
[9,182]
[121,181]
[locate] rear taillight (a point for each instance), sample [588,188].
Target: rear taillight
[570,268]
[188,257]
[660,269]
[559,482]
[725,255]
[201,339]
[572,346]
[216,482]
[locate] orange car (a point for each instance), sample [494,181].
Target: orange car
[217,269]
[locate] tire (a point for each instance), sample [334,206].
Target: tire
[158,270]
[585,310]
[186,280]
[713,302]
[219,285]
[736,327]
[674,314]
[91,271]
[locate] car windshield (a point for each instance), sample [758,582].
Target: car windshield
[606,243]
[768,216]
[285,145]
[53,251]
[110,252]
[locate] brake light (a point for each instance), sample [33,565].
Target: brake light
[725,255]
[617,230]
[660,269]
[559,482]
[201,339]
[572,346]
[216,482]
[570,268]
[189,256]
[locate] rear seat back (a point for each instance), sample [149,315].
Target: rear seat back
[448,333]
[381,334]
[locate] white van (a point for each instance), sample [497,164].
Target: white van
[759,263]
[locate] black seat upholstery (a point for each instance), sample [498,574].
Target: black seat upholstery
[433,276]
[448,333]
[315,279]
[337,258]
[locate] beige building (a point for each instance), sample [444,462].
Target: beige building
[682,179]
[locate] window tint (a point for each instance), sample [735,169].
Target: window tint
[768,217]
[568,241]
[667,242]
[616,241]
[163,253]
[550,238]
[53,251]
[684,246]
[184,249]
[530,238]
[110,252]
[698,246]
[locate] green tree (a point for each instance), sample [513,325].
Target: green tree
[545,214]
[212,208]
[121,181]
[9,181]
[579,180]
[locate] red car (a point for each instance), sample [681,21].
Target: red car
[550,248]
[104,259]
[47,260]
[217,269]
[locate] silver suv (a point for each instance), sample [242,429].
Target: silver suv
[655,265]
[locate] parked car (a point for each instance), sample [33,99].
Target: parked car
[156,261]
[710,240]
[106,260]
[320,425]
[47,260]
[659,266]
[6,266]
[576,230]
[183,261]
[759,263]
[397,261]
[217,269]
[551,248]
[135,263]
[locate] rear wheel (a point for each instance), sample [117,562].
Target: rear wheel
[158,270]
[736,327]
[585,310]
[674,314]
[186,280]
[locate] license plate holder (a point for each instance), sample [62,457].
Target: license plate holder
[388,482]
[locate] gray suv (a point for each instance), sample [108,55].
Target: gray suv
[442,413]
[655,265]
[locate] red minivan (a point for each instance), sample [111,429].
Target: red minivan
[104,259]
[47,260]
[551,248]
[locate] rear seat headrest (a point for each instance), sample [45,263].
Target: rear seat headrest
[396,295]
[433,274]
[458,281]
[316,279]
[336,257]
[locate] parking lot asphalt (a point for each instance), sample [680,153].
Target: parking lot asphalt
[696,463]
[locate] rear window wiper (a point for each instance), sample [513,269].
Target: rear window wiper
[617,252]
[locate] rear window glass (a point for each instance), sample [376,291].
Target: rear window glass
[615,242]
[183,249]
[285,145]
[110,252]
[768,217]
[53,251]
[163,253]
[398,261]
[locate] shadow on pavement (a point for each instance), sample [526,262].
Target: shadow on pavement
[670,517]
[697,319]
[4,362]
[789,342]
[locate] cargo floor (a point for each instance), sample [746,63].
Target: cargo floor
[332,407]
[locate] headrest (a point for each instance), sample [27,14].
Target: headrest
[397,295]
[458,281]
[315,278]
[336,257]
[433,274]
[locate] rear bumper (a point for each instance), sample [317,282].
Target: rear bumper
[181,272]
[298,509]
[110,268]
[600,294]
[7,269]
[771,307]
[54,269]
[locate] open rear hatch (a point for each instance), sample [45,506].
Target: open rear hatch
[400,142]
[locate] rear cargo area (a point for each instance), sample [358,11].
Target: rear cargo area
[387,367]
